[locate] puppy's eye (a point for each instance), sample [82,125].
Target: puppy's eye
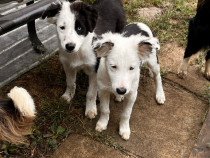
[131,68]
[79,28]
[62,27]
[114,66]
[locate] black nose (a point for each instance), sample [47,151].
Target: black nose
[70,46]
[121,90]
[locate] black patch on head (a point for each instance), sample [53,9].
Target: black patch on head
[86,17]
[52,10]
[133,29]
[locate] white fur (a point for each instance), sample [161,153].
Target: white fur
[22,101]
[82,57]
[67,19]
[124,55]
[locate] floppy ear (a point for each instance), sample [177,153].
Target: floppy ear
[52,10]
[104,49]
[144,49]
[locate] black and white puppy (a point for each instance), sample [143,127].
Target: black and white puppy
[198,38]
[76,23]
[119,70]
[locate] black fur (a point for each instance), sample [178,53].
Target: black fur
[52,10]
[199,31]
[111,16]
[86,17]
[133,29]
[9,108]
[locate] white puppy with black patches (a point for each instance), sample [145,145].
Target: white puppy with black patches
[75,24]
[119,72]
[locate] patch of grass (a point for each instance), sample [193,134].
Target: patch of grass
[172,25]
[200,61]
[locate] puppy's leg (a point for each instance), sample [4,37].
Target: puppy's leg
[155,67]
[70,81]
[104,107]
[193,46]
[207,69]
[91,110]
[125,116]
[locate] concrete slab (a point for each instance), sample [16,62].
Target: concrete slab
[160,131]
[163,131]
[77,146]
[202,145]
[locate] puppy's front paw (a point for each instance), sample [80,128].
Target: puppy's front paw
[91,113]
[119,98]
[160,98]
[66,97]
[125,133]
[100,126]
[182,71]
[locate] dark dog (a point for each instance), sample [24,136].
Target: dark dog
[16,116]
[198,38]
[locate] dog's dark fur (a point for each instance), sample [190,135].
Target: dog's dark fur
[111,16]
[199,31]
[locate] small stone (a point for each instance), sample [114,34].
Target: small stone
[149,13]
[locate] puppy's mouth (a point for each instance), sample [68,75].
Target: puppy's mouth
[69,51]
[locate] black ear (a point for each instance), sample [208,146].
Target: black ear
[52,10]
[86,12]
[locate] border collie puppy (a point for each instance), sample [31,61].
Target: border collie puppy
[198,38]
[75,25]
[16,116]
[119,70]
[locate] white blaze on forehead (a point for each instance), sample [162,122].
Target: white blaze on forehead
[66,16]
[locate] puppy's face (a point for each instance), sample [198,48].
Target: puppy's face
[123,69]
[74,22]
[122,59]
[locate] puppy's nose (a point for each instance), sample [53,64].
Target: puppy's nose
[121,91]
[70,46]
